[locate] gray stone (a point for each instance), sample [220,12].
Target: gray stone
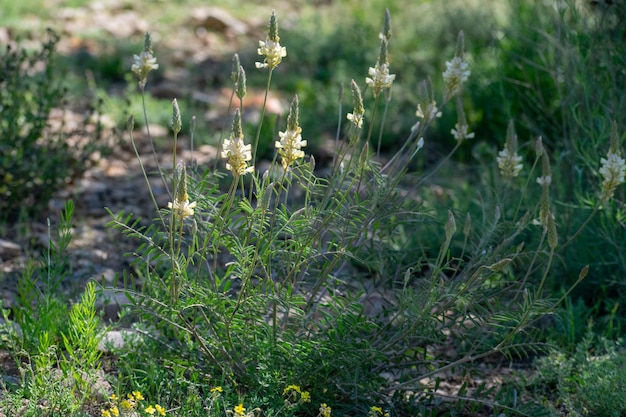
[9,250]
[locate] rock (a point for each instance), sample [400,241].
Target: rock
[217,20]
[9,250]
[116,339]
[111,303]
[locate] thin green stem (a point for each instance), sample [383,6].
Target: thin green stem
[382,122]
[154,153]
[255,145]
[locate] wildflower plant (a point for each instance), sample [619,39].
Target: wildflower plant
[133,405]
[274,285]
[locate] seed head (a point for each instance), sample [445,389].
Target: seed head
[177,123]
[241,83]
[234,72]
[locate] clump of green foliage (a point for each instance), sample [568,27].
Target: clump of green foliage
[35,161]
[56,348]
[591,382]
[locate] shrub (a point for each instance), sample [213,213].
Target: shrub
[35,161]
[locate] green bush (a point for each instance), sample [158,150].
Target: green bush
[592,381]
[35,161]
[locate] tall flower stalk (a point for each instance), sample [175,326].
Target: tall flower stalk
[273,53]
[143,64]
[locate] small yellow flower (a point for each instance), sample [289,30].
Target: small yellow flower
[137,396]
[306,397]
[150,410]
[160,410]
[325,410]
[292,387]
[239,410]
[376,411]
[217,389]
[127,404]
[115,412]
[105,413]
[113,397]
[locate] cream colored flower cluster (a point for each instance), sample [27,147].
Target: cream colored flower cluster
[613,170]
[237,154]
[271,48]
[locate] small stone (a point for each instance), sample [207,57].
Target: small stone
[217,20]
[9,250]
[116,339]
